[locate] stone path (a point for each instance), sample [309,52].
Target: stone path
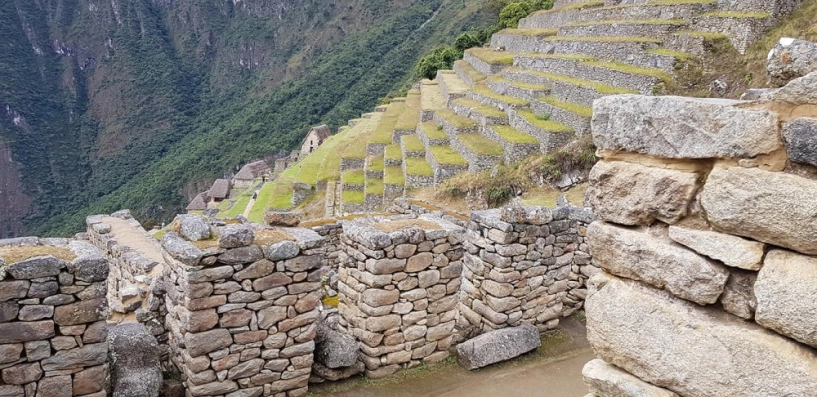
[135,238]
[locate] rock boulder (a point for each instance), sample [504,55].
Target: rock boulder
[134,361]
[785,291]
[193,227]
[607,380]
[790,59]
[499,345]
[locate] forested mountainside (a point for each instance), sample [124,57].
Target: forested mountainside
[138,103]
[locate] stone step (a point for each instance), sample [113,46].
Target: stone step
[407,121]
[375,189]
[451,86]
[467,73]
[520,37]
[446,162]
[677,9]
[353,201]
[567,88]
[492,94]
[431,99]
[558,16]
[686,43]
[741,27]
[551,134]
[431,134]
[655,28]
[392,155]
[516,145]
[417,172]
[488,61]
[481,152]
[571,114]
[412,147]
[353,180]
[454,124]
[474,110]
[515,93]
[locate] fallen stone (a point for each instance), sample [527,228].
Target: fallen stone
[800,138]
[37,267]
[134,359]
[633,194]
[681,127]
[731,250]
[689,349]
[496,346]
[234,236]
[656,260]
[193,227]
[790,59]
[606,380]
[763,206]
[800,91]
[784,289]
[331,374]
[180,249]
[287,219]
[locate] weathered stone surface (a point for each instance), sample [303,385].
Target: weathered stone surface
[764,206]
[19,332]
[496,346]
[246,369]
[785,289]
[54,386]
[85,356]
[36,312]
[206,342]
[288,219]
[378,297]
[606,380]
[281,250]
[193,227]
[303,263]
[731,250]
[649,257]
[692,350]
[40,266]
[633,194]
[339,373]
[91,380]
[234,236]
[13,289]
[15,391]
[213,388]
[419,262]
[11,352]
[241,255]
[790,59]
[800,91]
[800,137]
[22,373]
[197,321]
[82,312]
[335,350]
[270,316]
[256,270]
[385,266]
[180,249]
[739,295]
[681,127]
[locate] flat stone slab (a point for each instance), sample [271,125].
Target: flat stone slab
[604,379]
[785,290]
[496,346]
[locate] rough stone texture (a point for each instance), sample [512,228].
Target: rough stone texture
[790,59]
[193,227]
[335,350]
[679,127]
[731,250]
[764,206]
[234,236]
[647,256]
[739,295]
[800,137]
[783,290]
[180,249]
[632,194]
[134,360]
[497,346]
[692,350]
[800,91]
[606,380]
[290,219]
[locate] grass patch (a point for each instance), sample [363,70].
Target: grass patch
[530,32]
[574,6]
[547,125]
[354,177]
[410,117]
[735,14]
[678,55]
[354,196]
[601,88]
[374,186]
[19,254]
[490,56]
[433,131]
[475,75]
[446,155]
[485,110]
[418,166]
[481,144]
[393,175]
[239,206]
[412,143]
[583,111]
[456,120]
[511,135]
[396,225]
[623,67]
[393,152]
[546,196]
[257,212]
[375,163]
[675,2]
[453,83]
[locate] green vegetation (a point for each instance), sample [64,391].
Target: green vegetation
[599,87]
[511,14]
[545,123]
[489,93]
[375,163]
[481,144]
[490,56]
[353,177]
[374,186]
[678,2]
[418,166]
[583,111]
[446,155]
[393,152]
[453,83]
[412,143]
[575,6]
[511,135]
[676,22]
[466,67]
[530,32]
[482,109]
[456,120]
[433,131]
[607,39]
[353,196]
[393,175]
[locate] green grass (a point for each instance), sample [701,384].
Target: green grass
[446,155]
[704,35]
[410,117]
[412,143]
[374,186]
[239,206]
[676,22]
[599,87]
[489,93]
[453,83]
[385,129]
[530,32]
[354,177]
[257,212]
[455,119]
[571,107]
[573,6]
[681,56]
[735,14]
[476,76]
[481,144]
[607,39]
[490,56]
[375,163]
[511,135]
[348,147]
[353,196]
[418,166]
[623,67]
[393,175]
[433,131]
[393,152]
[676,2]
[547,125]
[485,110]
[281,201]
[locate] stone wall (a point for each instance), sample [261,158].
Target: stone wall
[398,290]
[524,265]
[52,318]
[707,237]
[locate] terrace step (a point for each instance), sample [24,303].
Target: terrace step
[446,162]
[481,152]
[573,115]
[352,201]
[516,145]
[589,68]
[551,134]
[417,171]
[412,147]
[558,15]
[353,180]
[488,61]
[451,86]
[687,43]
[392,155]
[515,93]
[454,124]
[656,28]
[407,121]
[431,99]
[430,134]
[467,73]
[679,9]
[374,193]
[567,88]
[394,182]
[374,166]
[474,110]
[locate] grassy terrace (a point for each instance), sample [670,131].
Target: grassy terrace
[673,2]
[466,67]
[385,129]
[674,22]
[446,155]
[412,143]
[490,56]
[489,93]
[511,135]
[599,87]
[481,144]
[418,166]
[330,169]
[607,39]
[257,212]
[375,163]
[569,57]
[453,83]
[410,117]
[433,131]
[623,67]
[574,6]
[430,96]
[703,35]
[240,204]
[393,152]
[547,125]
[354,177]
[530,32]
[682,56]
[485,110]
[353,196]
[583,111]
[393,175]
[455,119]
[374,186]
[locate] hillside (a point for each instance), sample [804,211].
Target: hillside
[140,103]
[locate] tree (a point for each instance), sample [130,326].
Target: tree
[440,58]
[466,41]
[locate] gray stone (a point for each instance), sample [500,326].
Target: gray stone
[82,312]
[13,289]
[606,380]
[234,236]
[800,91]
[241,255]
[257,270]
[213,388]
[193,227]
[38,350]
[85,356]
[10,353]
[90,264]
[205,342]
[496,346]
[180,249]
[633,194]
[785,289]
[37,267]
[43,290]
[739,295]
[656,260]
[8,311]
[385,266]
[764,206]
[377,297]
[281,250]
[731,250]
[689,349]
[335,350]
[681,127]
[36,312]
[18,332]
[800,138]
[22,374]
[332,375]
[366,235]
[17,391]
[790,59]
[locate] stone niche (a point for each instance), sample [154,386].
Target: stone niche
[524,265]
[242,308]
[52,318]
[399,280]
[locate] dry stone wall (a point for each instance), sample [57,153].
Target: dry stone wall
[52,319]
[706,232]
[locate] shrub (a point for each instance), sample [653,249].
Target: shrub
[466,41]
[440,58]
